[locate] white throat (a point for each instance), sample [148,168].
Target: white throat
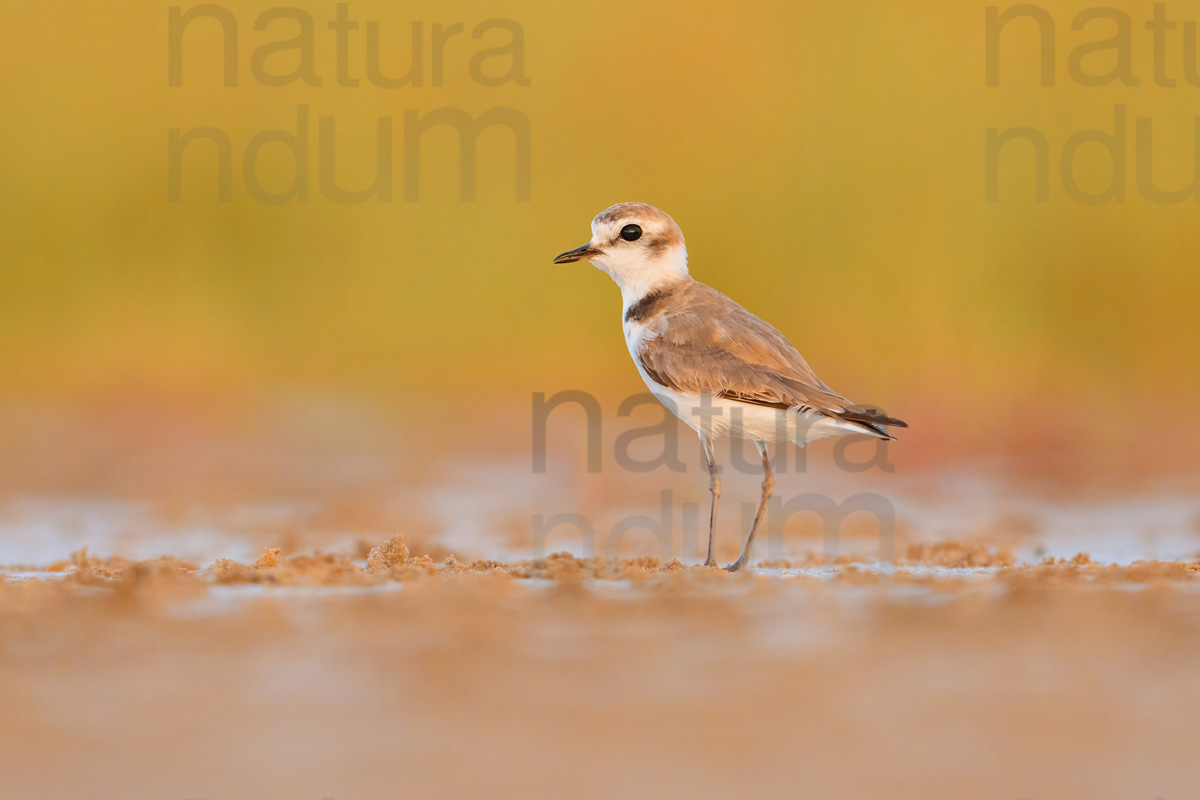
[637,277]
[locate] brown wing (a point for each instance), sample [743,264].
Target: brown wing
[703,342]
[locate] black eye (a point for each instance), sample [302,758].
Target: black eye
[631,233]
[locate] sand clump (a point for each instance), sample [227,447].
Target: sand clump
[957,554]
[388,554]
[321,569]
[268,559]
[82,567]
[1082,569]
[393,561]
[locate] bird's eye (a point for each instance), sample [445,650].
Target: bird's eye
[631,233]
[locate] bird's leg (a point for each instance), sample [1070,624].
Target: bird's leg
[768,485]
[714,486]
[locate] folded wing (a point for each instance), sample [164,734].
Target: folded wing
[703,342]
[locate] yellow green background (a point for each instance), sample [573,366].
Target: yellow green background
[825,160]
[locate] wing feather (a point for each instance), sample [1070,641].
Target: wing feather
[703,342]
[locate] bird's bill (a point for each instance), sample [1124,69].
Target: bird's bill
[578,254]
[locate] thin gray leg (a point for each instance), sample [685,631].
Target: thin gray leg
[714,486]
[768,485]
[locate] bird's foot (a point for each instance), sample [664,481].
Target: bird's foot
[737,566]
[711,562]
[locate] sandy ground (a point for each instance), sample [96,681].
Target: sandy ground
[190,614]
[397,675]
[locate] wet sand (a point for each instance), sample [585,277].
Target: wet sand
[387,673]
[192,612]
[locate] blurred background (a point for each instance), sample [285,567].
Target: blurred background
[189,368]
[827,163]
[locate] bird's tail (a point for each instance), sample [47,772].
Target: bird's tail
[872,421]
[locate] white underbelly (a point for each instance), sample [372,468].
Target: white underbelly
[717,417]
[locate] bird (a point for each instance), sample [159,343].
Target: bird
[716,366]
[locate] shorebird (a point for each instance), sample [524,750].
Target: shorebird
[716,366]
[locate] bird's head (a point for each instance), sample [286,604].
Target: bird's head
[638,245]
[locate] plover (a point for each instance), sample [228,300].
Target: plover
[719,368]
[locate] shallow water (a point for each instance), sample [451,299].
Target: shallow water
[489,514]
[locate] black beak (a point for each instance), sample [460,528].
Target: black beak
[578,254]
